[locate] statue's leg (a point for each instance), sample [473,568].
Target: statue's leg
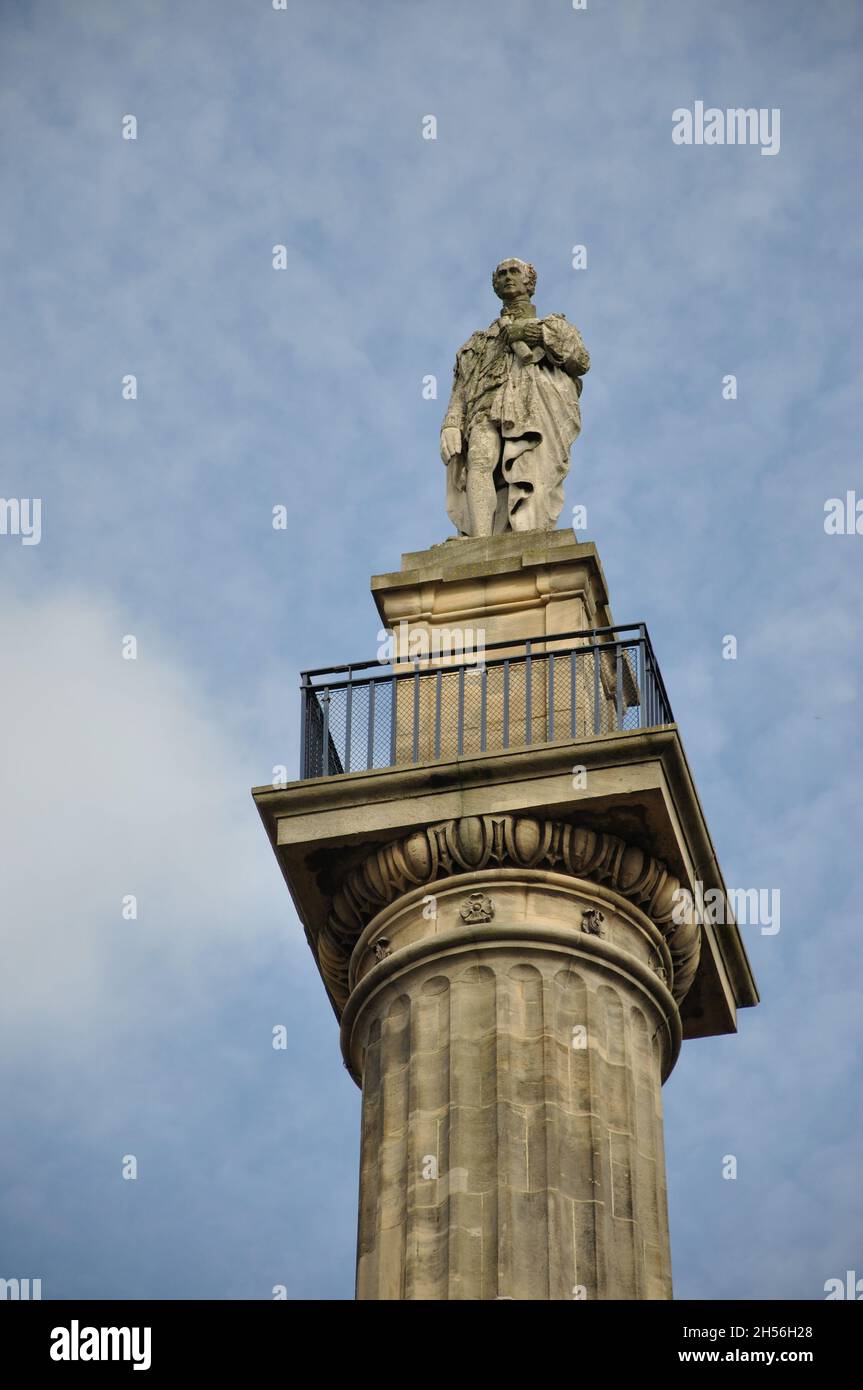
[483,452]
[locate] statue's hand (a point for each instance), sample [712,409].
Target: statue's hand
[514,332]
[450,442]
[523,331]
[532,332]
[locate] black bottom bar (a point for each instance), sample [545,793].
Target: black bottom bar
[219,1339]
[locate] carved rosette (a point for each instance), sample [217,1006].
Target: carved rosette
[484,842]
[477,908]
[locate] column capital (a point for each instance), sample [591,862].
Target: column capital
[469,844]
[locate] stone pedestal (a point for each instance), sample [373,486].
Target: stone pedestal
[528,585]
[500,943]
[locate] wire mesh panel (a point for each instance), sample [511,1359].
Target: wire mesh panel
[595,683]
[335,702]
[372,725]
[321,754]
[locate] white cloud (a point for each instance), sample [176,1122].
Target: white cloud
[119,777]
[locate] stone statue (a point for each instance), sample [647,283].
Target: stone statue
[513,414]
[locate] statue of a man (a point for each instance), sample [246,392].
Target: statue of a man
[513,414]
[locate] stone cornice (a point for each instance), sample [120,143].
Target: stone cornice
[469,843]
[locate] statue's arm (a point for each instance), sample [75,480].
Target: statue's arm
[456,411]
[452,429]
[564,346]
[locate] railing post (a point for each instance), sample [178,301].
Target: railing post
[325,702]
[653,692]
[348,703]
[416,742]
[597,715]
[618,685]
[642,679]
[528,720]
[506,703]
[573,694]
[460,744]
[438,701]
[483,708]
[394,686]
[304,729]
[549,665]
[370,745]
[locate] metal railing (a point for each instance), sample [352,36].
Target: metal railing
[547,689]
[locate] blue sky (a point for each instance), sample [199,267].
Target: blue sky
[303,388]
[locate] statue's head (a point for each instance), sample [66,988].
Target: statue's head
[513,278]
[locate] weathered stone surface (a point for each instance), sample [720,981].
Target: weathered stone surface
[513,414]
[507,587]
[523,1158]
[476,842]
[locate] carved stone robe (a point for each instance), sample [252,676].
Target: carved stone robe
[531,396]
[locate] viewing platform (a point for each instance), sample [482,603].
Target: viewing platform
[488,699]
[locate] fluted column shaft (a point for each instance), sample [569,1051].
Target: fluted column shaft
[511,1030]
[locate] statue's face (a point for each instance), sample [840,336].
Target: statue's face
[509,281]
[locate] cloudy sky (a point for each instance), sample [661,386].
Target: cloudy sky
[303,387]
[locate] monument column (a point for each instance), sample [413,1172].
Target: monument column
[499,857]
